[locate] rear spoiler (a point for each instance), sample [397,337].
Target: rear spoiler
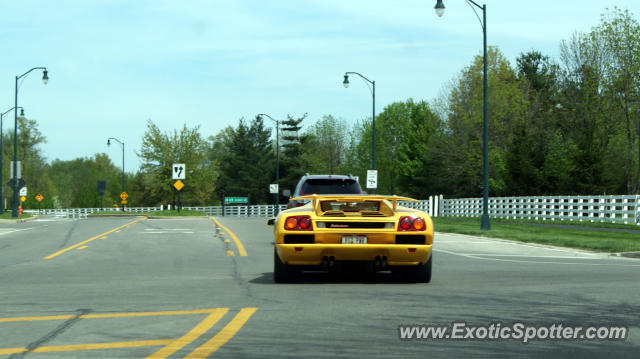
[355,198]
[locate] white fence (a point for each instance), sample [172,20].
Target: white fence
[613,209]
[232,211]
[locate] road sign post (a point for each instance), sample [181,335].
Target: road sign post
[102,187]
[123,197]
[372,179]
[39,198]
[178,171]
[179,185]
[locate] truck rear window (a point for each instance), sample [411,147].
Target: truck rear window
[330,186]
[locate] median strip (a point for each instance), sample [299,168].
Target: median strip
[91,239]
[241,250]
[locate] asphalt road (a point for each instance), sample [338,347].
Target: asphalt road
[133,288]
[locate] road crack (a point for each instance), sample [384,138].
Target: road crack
[52,334]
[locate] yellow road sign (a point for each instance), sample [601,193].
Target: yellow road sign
[178,185]
[39,197]
[23,198]
[124,196]
[124,201]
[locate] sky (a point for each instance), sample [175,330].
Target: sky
[115,64]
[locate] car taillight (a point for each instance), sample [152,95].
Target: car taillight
[419,224]
[405,223]
[298,223]
[410,223]
[304,222]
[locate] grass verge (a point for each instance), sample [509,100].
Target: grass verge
[584,235]
[7,215]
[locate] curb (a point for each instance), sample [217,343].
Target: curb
[629,254]
[22,220]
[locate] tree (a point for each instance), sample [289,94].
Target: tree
[160,151]
[331,136]
[619,34]
[292,162]
[403,136]
[507,107]
[528,157]
[34,166]
[75,182]
[245,160]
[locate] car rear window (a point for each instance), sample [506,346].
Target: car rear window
[330,186]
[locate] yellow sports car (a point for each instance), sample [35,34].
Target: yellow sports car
[332,230]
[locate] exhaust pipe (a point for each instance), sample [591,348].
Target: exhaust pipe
[325,263]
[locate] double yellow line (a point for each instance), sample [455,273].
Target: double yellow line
[213,344]
[241,250]
[171,346]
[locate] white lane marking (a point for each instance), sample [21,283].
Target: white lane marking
[4,231]
[483,256]
[167,229]
[166,232]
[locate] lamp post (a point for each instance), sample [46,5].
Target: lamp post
[1,155]
[373,116]
[277,158]
[121,143]
[45,79]
[485,222]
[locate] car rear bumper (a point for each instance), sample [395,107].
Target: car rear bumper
[313,254]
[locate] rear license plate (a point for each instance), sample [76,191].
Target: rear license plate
[354,239]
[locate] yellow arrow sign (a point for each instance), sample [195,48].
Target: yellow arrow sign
[124,196]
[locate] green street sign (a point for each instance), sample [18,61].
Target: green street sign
[236,200]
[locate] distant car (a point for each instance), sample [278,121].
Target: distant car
[323,185]
[332,230]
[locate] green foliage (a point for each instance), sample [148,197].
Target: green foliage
[154,184]
[246,161]
[293,162]
[327,145]
[76,182]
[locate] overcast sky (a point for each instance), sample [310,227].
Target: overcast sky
[114,64]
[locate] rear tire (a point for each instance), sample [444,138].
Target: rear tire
[422,272]
[282,272]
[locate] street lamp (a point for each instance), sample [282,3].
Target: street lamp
[45,80]
[1,155]
[373,116]
[485,222]
[121,143]
[277,158]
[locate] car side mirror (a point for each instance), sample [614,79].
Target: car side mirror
[271,221]
[286,193]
